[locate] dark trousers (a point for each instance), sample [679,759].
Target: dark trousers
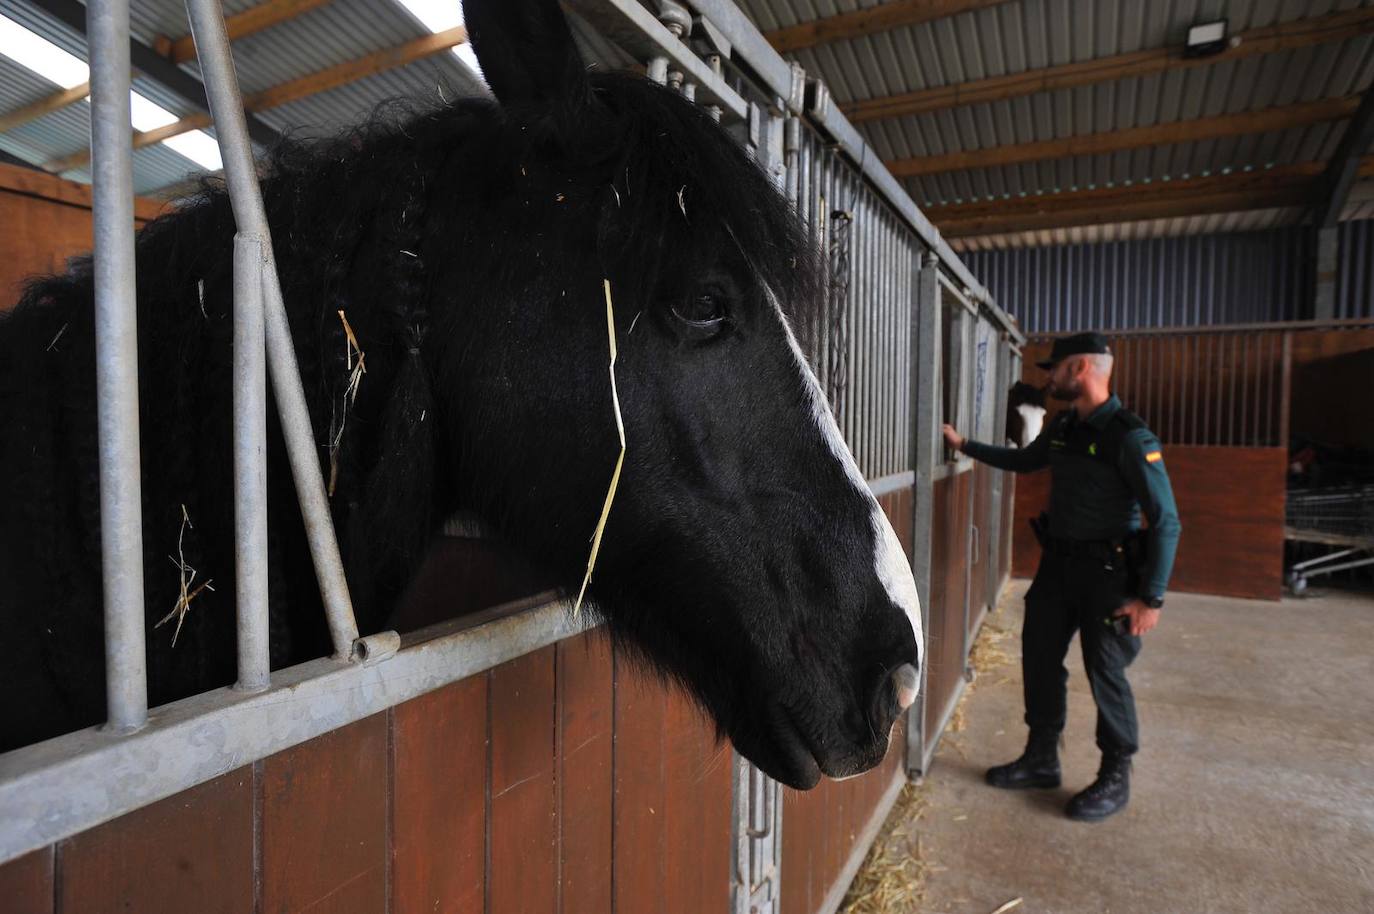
[1079,593]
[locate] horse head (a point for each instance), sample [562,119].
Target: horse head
[744,556]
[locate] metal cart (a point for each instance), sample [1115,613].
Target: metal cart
[1337,516]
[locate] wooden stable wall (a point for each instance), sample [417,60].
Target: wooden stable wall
[43,221]
[1230,502]
[1329,369]
[563,781]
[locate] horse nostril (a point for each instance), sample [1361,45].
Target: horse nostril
[905,681]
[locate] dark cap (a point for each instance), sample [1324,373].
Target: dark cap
[1078,344]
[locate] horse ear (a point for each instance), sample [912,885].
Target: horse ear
[526,51]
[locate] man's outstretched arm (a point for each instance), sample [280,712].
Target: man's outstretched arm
[1032,457]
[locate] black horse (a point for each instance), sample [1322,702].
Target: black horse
[467,247]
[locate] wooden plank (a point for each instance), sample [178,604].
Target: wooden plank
[43,106]
[324,822]
[522,873]
[800,838]
[249,22]
[640,861]
[33,183]
[871,20]
[586,736]
[1269,39]
[696,810]
[1282,117]
[439,815]
[26,884]
[190,852]
[1284,185]
[938,682]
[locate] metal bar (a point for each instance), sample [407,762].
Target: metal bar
[212,43]
[635,29]
[754,51]
[1344,566]
[926,410]
[1323,559]
[1233,391]
[116,332]
[1209,436]
[250,464]
[1244,341]
[1286,389]
[55,789]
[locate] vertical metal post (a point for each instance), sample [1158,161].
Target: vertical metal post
[116,332]
[926,454]
[250,463]
[221,86]
[1328,264]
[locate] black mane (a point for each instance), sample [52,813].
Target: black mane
[374,223]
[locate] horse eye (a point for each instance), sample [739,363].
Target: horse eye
[701,311]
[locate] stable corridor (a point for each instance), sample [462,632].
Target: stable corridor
[1253,791]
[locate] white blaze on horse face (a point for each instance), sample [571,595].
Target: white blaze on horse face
[889,560]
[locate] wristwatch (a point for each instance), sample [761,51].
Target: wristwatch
[1153,602]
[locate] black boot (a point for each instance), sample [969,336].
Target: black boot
[1038,766]
[1107,795]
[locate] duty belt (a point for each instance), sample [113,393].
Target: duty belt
[1102,550]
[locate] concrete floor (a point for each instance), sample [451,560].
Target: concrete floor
[1253,790]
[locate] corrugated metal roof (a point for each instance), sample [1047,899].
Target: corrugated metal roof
[1029,34]
[338,31]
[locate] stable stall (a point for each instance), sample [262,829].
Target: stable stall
[510,759]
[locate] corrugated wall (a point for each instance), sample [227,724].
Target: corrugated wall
[1355,282]
[1175,282]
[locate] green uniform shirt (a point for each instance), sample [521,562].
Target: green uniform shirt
[1104,470]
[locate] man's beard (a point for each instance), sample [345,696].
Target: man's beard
[1064,394]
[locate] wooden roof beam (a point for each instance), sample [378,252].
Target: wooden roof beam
[293,90]
[857,23]
[248,22]
[46,105]
[1248,122]
[1299,33]
[1283,186]
[154,66]
[240,25]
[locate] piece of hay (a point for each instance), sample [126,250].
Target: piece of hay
[356,370]
[619,461]
[1014,903]
[57,337]
[188,577]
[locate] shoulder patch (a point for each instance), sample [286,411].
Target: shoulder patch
[1153,456]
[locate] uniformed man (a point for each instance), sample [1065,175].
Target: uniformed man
[1105,466]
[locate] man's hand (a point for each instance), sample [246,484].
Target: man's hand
[953,438]
[1143,618]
